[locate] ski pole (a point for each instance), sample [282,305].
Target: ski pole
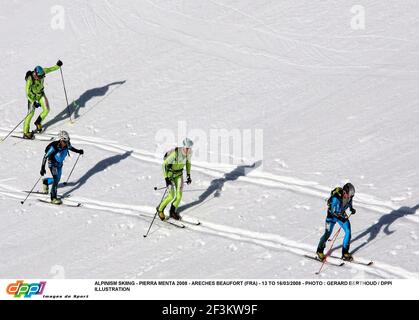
[155,215]
[331,247]
[13,129]
[159,188]
[22,202]
[65,183]
[65,93]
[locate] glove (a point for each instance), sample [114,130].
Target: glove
[188,179]
[43,171]
[80,151]
[343,217]
[36,104]
[353,211]
[168,182]
[59,63]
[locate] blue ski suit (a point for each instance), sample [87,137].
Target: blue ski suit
[336,213]
[55,154]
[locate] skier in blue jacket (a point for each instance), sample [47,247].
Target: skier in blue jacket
[55,153]
[339,201]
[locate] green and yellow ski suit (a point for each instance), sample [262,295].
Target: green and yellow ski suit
[35,94]
[173,165]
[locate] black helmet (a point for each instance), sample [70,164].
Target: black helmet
[349,189]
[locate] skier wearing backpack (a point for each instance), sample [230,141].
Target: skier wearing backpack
[340,200]
[36,97]
[174,162]
[55,153]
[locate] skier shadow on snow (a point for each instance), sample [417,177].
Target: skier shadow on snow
[217,184]
[384,223]
[100,166]
[75,106]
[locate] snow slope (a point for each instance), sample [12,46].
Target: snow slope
[335,105]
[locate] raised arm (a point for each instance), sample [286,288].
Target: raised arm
[51,69]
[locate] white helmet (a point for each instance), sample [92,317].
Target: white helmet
[187,143]
[63,135]
[349,189]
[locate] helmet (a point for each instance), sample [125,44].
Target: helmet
[187,143]
[63,135]
[39,71]
[349,189]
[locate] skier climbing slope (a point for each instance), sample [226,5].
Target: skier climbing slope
[36,97]
[339,201]
[55,153]
[174,162]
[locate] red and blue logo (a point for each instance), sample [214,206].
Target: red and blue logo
[27,290]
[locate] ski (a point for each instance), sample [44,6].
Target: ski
[194,223]
[43,193]
[191,221]
[20,137]
[36,192]
[331,262]
[356,261]
[65,203]
[175,223]
[44,138]
[369,263]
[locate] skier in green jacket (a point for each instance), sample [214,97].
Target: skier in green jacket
[174,162]
[36,97]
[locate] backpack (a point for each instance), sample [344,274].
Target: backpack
[28,74]
[49,146]
[169,152]
[170,165]
[336,192]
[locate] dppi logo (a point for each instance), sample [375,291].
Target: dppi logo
[27,290]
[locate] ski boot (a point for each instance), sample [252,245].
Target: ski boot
[29,136]
[320,255]
[161,214]
[38,125]
[347,257]
[56,201]
[45,188]
[174,214]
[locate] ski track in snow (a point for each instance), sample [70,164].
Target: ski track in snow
[256,177]
[204,36]
[8,103]
[269,241]
[266,240]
